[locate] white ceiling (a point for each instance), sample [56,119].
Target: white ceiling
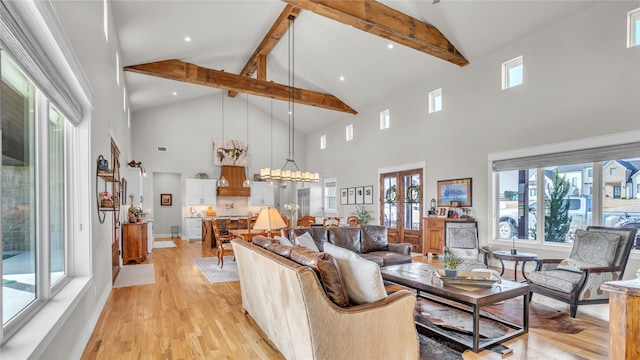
[225,33]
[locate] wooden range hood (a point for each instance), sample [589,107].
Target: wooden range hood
[236,176]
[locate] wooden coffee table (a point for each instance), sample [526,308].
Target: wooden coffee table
[469,298]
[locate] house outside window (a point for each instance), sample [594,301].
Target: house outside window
[512,73]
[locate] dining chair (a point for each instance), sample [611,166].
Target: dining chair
[223,244]
[306,221]
[331,221]
[352,220]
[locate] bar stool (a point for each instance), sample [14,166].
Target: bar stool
[175,231]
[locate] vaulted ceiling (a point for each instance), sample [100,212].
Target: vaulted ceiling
[225,34]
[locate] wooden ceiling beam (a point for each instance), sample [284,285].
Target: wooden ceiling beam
[278,29]
[187,72]
[381,20]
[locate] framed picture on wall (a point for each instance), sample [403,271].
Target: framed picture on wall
[360,195]
[351,196]
[457,190]
[166,199]
[343,196]
[368,194]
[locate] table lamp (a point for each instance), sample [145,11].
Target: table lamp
[269,219]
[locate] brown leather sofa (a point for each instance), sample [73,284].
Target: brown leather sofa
[368,241]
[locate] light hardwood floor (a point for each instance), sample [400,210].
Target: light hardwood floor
[183,316]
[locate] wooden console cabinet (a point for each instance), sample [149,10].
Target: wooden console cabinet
[134,242]
[433,236]
[624,318]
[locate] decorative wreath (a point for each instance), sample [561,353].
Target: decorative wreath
[413,194]
[390,194]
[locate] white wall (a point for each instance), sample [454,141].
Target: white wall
[164,217]
[580,81]
[189,128]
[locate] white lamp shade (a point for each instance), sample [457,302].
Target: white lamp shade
[269,219]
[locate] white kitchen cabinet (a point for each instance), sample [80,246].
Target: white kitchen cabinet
[200,192]
[194,228]
[134,185]
[261,194]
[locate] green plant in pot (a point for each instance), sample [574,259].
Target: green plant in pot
[451,263]
[363,214]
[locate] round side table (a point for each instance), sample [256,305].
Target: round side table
[507,255]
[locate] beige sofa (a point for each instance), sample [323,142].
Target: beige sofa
[289,304]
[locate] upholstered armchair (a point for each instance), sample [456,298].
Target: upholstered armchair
[461,239]
[599,254]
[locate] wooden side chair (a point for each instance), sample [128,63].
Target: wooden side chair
[223,244]
[332,221]
[352,220]
[306,221]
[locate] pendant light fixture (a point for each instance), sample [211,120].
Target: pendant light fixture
[295,174]
[222,182]
[247,183]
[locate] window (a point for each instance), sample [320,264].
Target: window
[124,99]
[330,195]
[562,204]
[105,19]
[435,101]
[512,73]
[633,25]
[323,142]
[117,69]
[349,132]
[589,173]
[384,119]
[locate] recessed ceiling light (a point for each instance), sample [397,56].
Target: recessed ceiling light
[390,46]
[187,39]
[174,93]
[341,78]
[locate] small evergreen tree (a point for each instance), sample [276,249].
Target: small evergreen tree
[556,224]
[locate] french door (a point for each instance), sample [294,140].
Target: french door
[401,206]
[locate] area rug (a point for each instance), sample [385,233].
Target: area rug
[135,275]
[163,244]
[212,271]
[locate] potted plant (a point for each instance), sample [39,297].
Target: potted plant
[451,262]
[363,215]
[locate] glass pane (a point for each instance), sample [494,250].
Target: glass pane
[517,204]
[412,202]
[18,191]
[515,75]
[621,202]
[567,204]
[390,202]
[437,103]
[637,32]
[56,194]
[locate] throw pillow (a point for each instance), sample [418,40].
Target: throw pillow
[573,265]
[327,269]
[361,277]
[307,241]
[283,240]
[595,247]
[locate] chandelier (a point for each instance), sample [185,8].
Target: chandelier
[293,173]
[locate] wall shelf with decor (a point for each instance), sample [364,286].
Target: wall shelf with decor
[108,199]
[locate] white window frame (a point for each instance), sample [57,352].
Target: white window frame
[508,65]
[632,28]
[385,119]
[349,132]
[105,19]
[117,68]
[28,334]
[433,97]
[551,149]
[327,209]
[323,142]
